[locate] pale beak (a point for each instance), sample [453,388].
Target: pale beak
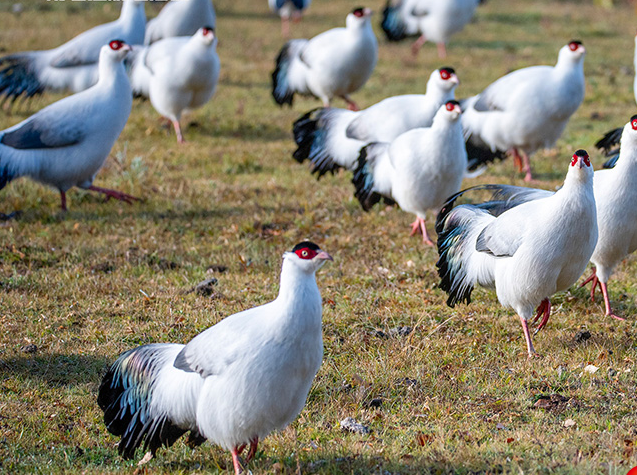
[323,256]
[454,79]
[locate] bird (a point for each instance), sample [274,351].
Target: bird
[286,9]
[177,74]
[232,384]
[72,66]
[615,194]
[609,143]
[525,110]
[180,18]
[331,138]
[433,20]
[66,143]
[418,170]
[334,63]
[527,243]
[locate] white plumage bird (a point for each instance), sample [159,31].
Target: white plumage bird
[333,64]
[526,243]
[418,170]
[177,74]
[287,9]
[433,20]
[180,18]
[332,138]
[73,65]
[525,110]
[65,144]
[233,384]
[615,195]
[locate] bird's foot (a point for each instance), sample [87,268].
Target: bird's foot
[145,459]
[418,226]
[118,195]
[534,356]
[544,309]
[253,449]
[616,317]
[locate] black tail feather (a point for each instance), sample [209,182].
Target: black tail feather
[309,135]
[481,154]
[17,78]
[612,161]
[280,87]
[363,181]
[609,142]
[392,22]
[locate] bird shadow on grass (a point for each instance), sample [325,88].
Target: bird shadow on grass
[54,369]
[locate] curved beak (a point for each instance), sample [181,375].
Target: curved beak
[454,79]
[323,256]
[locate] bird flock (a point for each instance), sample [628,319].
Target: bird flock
[250,374]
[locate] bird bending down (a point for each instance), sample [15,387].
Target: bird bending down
[333,64]
[180,18]
[66,143]
[526,243]
[234,383]
[286,9]
[332,138]
[525,110]
[418,170]
[433,20]
[72,66]
[177,74]
[615,195]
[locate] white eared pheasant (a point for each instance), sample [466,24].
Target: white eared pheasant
[233,384]
[180,18]
[615,196]
[287,9]
[433,20]
[177,74]
[332,138]
[73,65]
[526,243]
[418,170]
[525,110]
[333,64]
[65,144]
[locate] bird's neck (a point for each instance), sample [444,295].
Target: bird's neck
[130,10]
[111,72]
[298,289]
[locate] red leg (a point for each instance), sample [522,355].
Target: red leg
[180,137]
[527,337]
[118,195]
[517,160]
[609,312]
[526,167]
[351,105]
[235,461]
[546,304]
[253,449]
[418,226]
[63,200]
[442,50]
[540,311]
[285,27]
[416,45]
[593,278]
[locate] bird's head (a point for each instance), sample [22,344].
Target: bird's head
[450,110]
[629,137]
[358,17]
[207,35]
[116,50]
[307,256]
[444,78]
[574,51]
[580,170]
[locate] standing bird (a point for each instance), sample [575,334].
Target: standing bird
[615,195]
[526,243]
[418,170]
[525,110]
[433,20]
[332,138]
[72,66]
[177,74]
[286,9]
[180,18]
[234,383]
[335,63]
[65,144]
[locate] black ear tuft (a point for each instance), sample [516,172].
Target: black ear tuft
[306,244]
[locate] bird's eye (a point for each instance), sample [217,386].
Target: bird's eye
[358,12]
[116,44]
[573,45]
[306,253]
[444,74]
[207,30]
[450,106]
[634,124]
[587,161]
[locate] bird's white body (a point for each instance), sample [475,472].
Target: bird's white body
[528,108]
[180,18]
[334,63]
[339,134]
[65,144]
[422,167]
[437,20]
[615,195]
[233,384]
[73,66]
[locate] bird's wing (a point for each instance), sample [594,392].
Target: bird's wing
[217,348]
[85,47]
[497,95]
[322,46]
[162,49]
[46,129]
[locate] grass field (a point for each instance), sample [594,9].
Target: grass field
[454,395]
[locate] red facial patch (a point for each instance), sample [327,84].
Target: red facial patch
[586,159]
[450,106]
[444,74]
[207,30]
[116,44]
[306,253]
[358,12]
[573,45]
[633,124]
